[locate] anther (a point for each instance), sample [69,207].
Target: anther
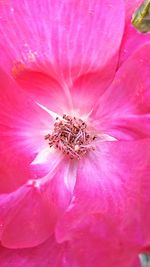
[70,135]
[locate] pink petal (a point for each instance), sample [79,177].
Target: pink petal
[146,250]
[22,128]
[91,86]
[136,263]
[131,6]
[43,165]
[45,90]
[70,254]
[59,185]
[56,97]
[92,249]
[113,182]
[130,127]
[68,40]
[28,215]
[124,107]
[132,40]
[49,254]
[26,218]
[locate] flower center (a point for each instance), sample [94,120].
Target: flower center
[71,136]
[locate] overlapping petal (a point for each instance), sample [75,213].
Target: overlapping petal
[68,254]
[57,96]
[59,185]
[48,254]
[124,109]
[113,183]
[91,86]
[28,215]
[26,218]
[132,39]
[131,6]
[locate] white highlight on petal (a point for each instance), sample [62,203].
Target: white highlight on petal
[50,112]
[42,157]
[106,137]
[70,177]
[72,204]
[34,183]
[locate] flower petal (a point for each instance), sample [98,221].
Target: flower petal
[79,253]
[131,6]
[22,128]
[132,40]
[136,263]
[59,185]
[28,215]
[27,230]
[91,86]
[45,90]
[145,250]
[69,39]
[125,106]
[113,183]
[48,254]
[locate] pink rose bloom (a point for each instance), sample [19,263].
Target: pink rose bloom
[74,134]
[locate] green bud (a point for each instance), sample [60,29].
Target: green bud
[141,17]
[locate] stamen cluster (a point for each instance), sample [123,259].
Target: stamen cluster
[70,135]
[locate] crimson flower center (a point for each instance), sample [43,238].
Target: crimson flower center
[71,136]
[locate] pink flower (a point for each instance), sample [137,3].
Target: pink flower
[74,128]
